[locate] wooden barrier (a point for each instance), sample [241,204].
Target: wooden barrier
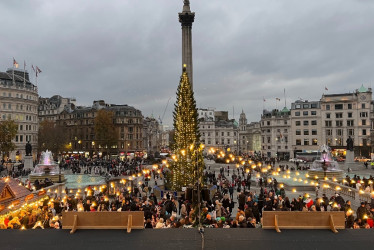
[103,220]
[303,220]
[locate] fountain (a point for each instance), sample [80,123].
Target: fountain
[325,166]
[46,168]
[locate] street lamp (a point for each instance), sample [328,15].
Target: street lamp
[324,165]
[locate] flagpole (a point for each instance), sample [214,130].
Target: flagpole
[13,71]
[284,92]
[24,72]
[276,104]
[263,104]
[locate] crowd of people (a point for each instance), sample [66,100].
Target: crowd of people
[235,203]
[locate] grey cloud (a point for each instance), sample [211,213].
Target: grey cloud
[244,50]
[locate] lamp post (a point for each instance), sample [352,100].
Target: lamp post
[324,166]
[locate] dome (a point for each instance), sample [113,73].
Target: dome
[362,89]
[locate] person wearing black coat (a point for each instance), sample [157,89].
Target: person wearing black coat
[241,199]
[268,205]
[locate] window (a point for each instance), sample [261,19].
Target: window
[285,130]
[338,106]
[268,123]
[329,132]
[306,132]
[305,113]
[363,122]
[285,122]
[313,105]
[306,123]
[306,141]
[313,112]
[339,132]
[314,122]
[328,107]
[223,133]
[328,123]
[328,141]
[228,134]
[314,132]
[314,141]
[268,139]
[305,106]
[339,123]
[297,123]
[350,123]
[297,113]
[364,132]
[297,106]
[339,115]
[298,132]
[362,105]
[298,142]
[350,115]
[328,115]
[349,105]
[363,114]
[351,132]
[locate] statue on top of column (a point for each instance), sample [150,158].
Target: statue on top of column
[186,2]
[28,149]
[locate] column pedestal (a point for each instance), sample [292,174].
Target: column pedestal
[349,160]
[28,163]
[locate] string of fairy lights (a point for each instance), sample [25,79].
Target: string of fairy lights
[295,176]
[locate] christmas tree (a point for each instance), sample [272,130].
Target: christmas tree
[188,165]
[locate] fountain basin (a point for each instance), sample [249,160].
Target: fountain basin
[338,174]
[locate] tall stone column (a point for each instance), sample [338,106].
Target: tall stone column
[186,18]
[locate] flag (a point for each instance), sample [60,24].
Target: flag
[38,71]
[278,99]
[15,63]
[326,88]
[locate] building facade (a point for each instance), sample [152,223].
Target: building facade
[80,128]
[275,133]
[347,115]
[152,135]
[19,102]
[217,131]
[50,108]
[249,136]
[306,126]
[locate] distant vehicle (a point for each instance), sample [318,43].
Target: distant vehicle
[296,160]
[361,159]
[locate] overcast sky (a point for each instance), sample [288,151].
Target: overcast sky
[129,51]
